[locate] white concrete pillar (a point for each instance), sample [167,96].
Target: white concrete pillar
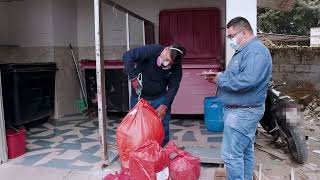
[244,8]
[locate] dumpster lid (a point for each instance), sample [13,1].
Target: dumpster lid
[23,67]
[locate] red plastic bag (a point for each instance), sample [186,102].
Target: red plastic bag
[147,160]
[140,125]
[184,166]
[121,176]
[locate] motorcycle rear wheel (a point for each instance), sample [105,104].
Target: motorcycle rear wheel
[297,144]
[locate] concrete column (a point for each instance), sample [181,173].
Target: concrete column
[244,8]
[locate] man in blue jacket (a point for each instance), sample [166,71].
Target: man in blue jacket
[242,88]
[159,70]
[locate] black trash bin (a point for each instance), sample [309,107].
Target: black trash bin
[28,91]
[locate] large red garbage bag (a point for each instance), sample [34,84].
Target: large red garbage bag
[121,176]
[147,160]
[141,124]
[183,166]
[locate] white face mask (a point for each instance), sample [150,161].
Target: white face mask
[233,43]
[163,63]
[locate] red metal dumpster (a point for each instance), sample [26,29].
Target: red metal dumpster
[199,31]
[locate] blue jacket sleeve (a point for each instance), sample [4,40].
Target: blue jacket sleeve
[137,55]
[252,70]
[173,86]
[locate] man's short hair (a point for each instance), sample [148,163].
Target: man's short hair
[240,23]
[177,55]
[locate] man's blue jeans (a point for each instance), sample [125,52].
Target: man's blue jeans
[240,126]
[155,103]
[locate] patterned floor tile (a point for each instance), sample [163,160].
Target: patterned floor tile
[44,133]
[49,126]
[43,143]
[73,142]
[37,129]
[59,163]
[178,123]
[55,145]
[95,135]
[89,158]
[81,163]
[47,158]
[111,139]
[67,146]
[206,132]
[35,132]
[214,139]
[40,151]
[87,124]
[65,137]
[32,146]
[189,136]
[70,126]
[111,132]
[96,123]
[91,150]
[87,132]
[58,132]
[175,130]
[69,155]
[32,159]
[86,146]
[85,140]
[172,137]
[56,139]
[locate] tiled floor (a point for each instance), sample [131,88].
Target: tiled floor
[72,142]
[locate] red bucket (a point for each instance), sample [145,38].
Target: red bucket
[16,142]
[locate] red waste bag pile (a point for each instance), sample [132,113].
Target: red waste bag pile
[183,166]
[139,137]
[121,176]
[147,160]
[140,125]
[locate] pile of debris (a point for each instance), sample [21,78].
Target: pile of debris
[312,116]
[313,109]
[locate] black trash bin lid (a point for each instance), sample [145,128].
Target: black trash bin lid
[28,67]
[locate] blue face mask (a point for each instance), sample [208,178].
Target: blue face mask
[233,43]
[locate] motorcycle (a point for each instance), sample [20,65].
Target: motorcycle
[281,119]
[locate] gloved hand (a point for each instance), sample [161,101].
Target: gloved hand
[162,110]
[136,85]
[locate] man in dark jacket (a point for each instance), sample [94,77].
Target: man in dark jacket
[155,73]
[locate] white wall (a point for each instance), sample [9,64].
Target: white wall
[149,9]
[30,23]
[114,31]
[4,23]
[244,8]
[65,22]
[85,23]
[43,29]
[38,23]
[114,24]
